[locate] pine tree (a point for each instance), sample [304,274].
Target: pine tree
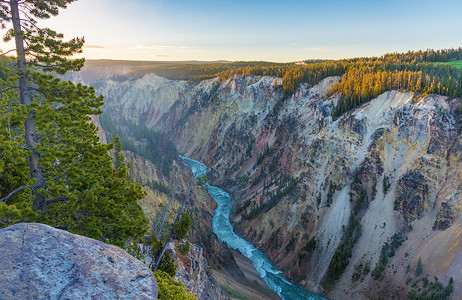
[55,169]
[418,269]
[45,49]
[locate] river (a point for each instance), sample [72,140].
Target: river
[222,227]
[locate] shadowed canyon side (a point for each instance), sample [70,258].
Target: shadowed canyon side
[346,207]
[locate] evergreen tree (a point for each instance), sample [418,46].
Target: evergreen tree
[54,167]
[45,49]
[182,227]
[418,269]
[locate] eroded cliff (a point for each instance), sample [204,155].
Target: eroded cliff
[390,168]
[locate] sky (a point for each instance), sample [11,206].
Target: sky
[279,31]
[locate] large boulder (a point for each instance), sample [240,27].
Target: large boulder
[40,262]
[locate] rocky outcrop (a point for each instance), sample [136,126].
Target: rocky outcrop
[294,173]
[40,262]
[445,217]
[194,272]
[411,195]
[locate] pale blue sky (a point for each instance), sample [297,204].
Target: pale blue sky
[280,31]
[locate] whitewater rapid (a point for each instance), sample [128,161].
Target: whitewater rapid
[222,227]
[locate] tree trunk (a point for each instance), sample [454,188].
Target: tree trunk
[25,98]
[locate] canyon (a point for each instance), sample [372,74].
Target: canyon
[346,208]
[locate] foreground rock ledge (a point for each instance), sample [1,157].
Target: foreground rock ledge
[40,262]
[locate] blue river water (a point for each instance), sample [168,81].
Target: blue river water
[222,227]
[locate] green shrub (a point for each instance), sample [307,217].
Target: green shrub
[386,184]
[388,250]
[310,245]
[431,290]
[341,257]
[418,269]
[184,248]
[170,289]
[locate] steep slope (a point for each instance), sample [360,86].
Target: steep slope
[351,184]
[233,271]
[192,267]
[194,272]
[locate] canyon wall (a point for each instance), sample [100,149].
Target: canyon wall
[390,170]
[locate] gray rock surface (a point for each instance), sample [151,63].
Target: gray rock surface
[40,262]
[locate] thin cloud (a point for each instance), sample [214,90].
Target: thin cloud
[94,47]
[161,55]
[319,49]
[158,47]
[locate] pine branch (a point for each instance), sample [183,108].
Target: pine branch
[40,65]
[5,53]
[30,20]
[59,199]
[65,227]
[7,89]
[77,219]
[11,103]
[14,192]
[57,177]
[37,90]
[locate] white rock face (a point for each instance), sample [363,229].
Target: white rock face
[40,262]
[150,97]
